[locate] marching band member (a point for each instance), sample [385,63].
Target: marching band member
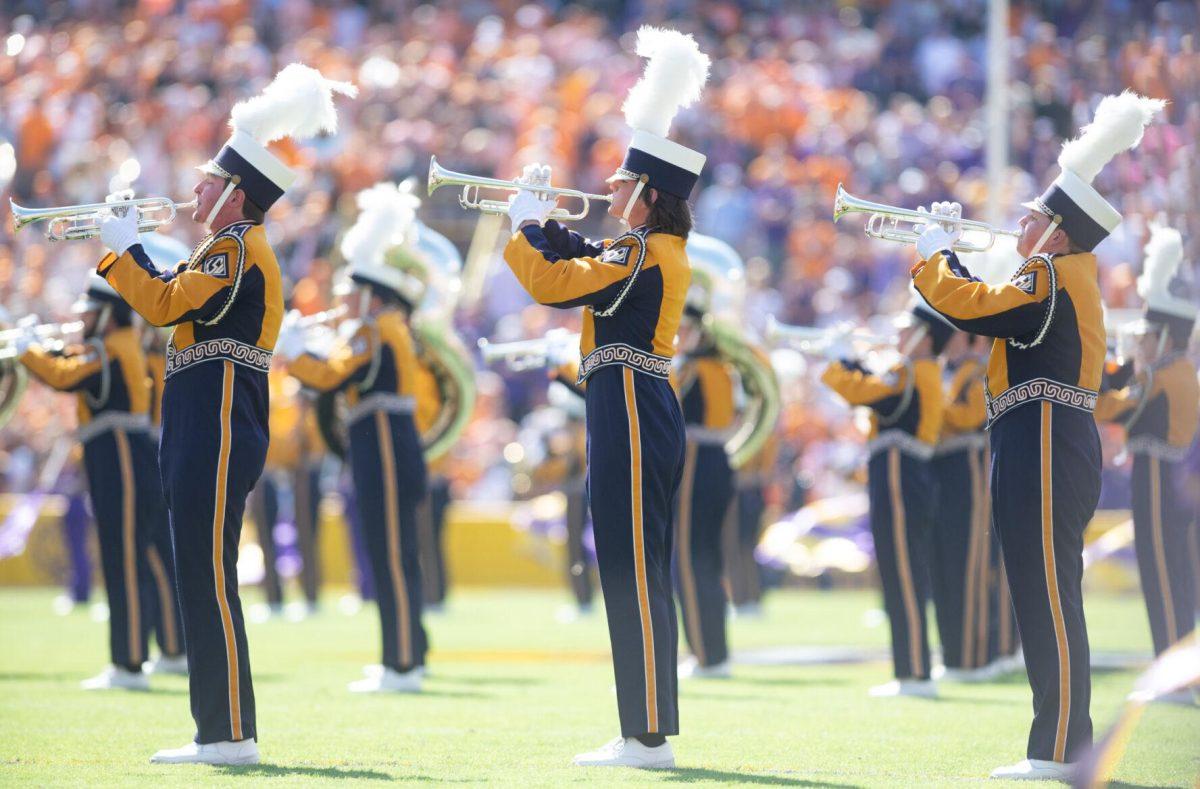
[166,616]
[1043,375]
[226,304]
[377,368]
[108,375]
[961,535]
[906,417]
[633,289]
[1160,409]
[705,384]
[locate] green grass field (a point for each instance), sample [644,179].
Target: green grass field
[512,695]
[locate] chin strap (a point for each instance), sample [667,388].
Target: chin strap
[913,341]
[1055,222]
[633,198]
[1164,336]
[102,320]
[217,206]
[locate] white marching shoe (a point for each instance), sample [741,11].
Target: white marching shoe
[167,664]
[917,688]
[628,752]
[242,752]
[691,669]
[116,678]
[1036,770]
[388,680]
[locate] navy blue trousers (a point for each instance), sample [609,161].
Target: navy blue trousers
[1162,520]
[901,489]
[635,462]
[120,470]
[161,593]
[1045,485]
[961,553]
[389,482]
[743,527]
[431,519]
[705,495]
[214,443]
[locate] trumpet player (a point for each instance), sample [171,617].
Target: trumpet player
[632,289]
[377,368]
[108,376]
[906,417]
[226,304]
[1043,375]
[1159,409]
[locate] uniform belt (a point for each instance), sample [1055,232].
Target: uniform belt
[625,356]
[1039,389]
[113,420]
[905,442]
[381,401]
[220,349]
[1155,447]
[707,435]
[960,442]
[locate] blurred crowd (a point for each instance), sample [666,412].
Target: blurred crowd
[886,97]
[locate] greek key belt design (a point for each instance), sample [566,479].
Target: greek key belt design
[381,401]
[1039,389]
[221,349]
[898,439]
[113,420]
[626,356]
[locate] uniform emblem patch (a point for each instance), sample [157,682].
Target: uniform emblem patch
[619,255]
[1026,282]
[216,265]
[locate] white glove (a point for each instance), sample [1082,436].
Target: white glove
[937,236]
[119,196]
[528,205]
[291,340]
[839,349]
[119,233]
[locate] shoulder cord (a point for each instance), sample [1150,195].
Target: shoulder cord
[1052,302]
[639,237]
[1143,400]
[98,402]
[910,383]
[376,340]
[237,277]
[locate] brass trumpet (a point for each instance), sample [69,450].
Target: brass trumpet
[889,223]
[73,222]
[815,339]
[558,347]
[45,333]
[472,185]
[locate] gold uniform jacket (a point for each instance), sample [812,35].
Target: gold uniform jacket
[705,384]
[1160,409]
[109,377]
[632,287]
[1047,321]
[906,403]
[377,368]
[966,408]
[225,301]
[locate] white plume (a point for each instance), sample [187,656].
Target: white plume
[298,103]
[675,73]
[1116,127]
[1163,254]
[387,217]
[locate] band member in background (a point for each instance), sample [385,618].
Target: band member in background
[569,450]
[226,304]
[632,289]
[163,598]
[705,385]
[906,417]
[1043,376]
[744,527]
[108,373]
[378,370]
[1160,409]
[292,472]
